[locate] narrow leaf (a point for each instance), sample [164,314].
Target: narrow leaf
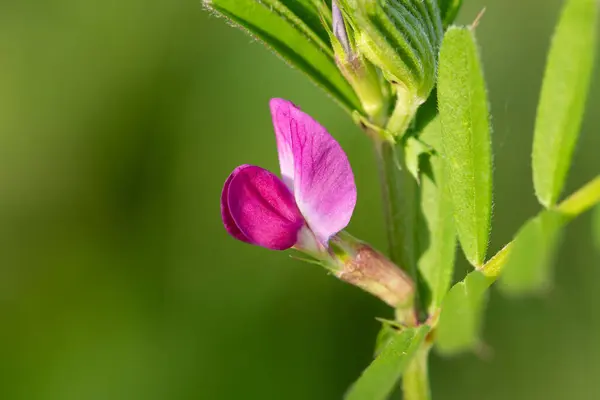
[562,99]
[461,316]
[528,268]
[380,378]
[466,141]
[437,238]
[292,29]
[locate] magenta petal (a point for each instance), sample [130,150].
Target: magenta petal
[263,208]
[230,225]
[317,168]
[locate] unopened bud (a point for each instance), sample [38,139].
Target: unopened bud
[402,39]
[370,88]
[339,27]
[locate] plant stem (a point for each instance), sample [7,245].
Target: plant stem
[391,196]
[400,202]
[582,200]
[415,382]
[404,111]
[577,203]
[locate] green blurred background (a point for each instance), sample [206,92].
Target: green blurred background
[119,122]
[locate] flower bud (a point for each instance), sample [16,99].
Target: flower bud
[370,88]
[401,38]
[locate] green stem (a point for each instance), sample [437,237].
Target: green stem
[400,202]
[400,195]
[578,203]
[391,195]
[415,381]
[403,113]
[582,200]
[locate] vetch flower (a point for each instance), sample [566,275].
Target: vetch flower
[313,200]
[307,208]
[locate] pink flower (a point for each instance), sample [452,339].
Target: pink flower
[313,200]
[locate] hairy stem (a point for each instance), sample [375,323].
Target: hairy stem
[400,196]
[392,196]
[400,202]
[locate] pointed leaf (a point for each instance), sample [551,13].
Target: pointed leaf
[292,29]
[461,316]
[466,142]
[562,100]
[380,378]
[528,268]
[437,237]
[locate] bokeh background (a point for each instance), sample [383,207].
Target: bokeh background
[119,122]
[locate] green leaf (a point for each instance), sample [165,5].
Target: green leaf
[449,9]
[380,378]
[293,30]
[562,99]
[528,268]
[463,107]
[460,320]
[437,237]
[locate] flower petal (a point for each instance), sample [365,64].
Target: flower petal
[263,208]
[317,168]
[230,225]
[280,111]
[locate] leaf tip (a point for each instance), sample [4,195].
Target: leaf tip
[544,198]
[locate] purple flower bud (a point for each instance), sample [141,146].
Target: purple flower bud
[339,27]
[364,78]
[314,200]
